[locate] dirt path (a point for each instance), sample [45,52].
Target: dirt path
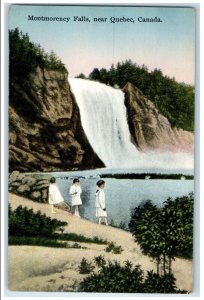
[33,268]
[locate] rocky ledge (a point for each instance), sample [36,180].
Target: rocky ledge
[149,129]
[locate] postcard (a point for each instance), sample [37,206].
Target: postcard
[101,149]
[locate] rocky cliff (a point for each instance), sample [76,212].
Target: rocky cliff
[45,131]
[149,129]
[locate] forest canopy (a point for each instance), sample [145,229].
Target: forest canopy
[174,100]
[25,56]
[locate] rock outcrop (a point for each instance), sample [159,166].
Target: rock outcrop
[45,131]
[32,187]
[149,129]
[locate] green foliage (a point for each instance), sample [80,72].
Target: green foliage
[164,233]
[76,246]
[174,100]
[29,228]
[37,240]
[178,216]
[25,222]
[81,75]
[154,283]
[100,261]
[85,267]
[115,249]
[114,278]
[145,227]
[25,56]
[80,238]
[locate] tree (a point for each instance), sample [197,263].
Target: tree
[81,75]
[164,233]
[25,56]
[145,226]
[95,75]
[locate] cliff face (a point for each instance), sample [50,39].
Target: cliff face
[45,131]
[149,129]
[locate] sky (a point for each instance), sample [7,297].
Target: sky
[82,46]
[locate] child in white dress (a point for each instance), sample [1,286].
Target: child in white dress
[54,195]
[75,191]
[101,212]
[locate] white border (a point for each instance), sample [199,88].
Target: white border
[4,156]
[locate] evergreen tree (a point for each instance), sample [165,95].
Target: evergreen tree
[25,56]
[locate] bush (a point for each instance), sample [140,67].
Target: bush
[165,284]
[85,267]
[100,261]
[36,240]
[115,249]
[25,222]
[80,238]
[114,278]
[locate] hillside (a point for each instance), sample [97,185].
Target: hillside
[33,268]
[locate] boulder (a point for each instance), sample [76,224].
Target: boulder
[23,189]
[13,176]
[30,181]
[36,195]
[41,187]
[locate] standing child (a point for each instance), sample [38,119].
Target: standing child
[75,192]
[101,212]
[55,196]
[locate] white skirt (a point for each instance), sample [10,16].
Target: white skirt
[100,212]
[55,196]
[76,201]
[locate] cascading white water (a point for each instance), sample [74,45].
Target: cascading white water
[103,116]
[104,120]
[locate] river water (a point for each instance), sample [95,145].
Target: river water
[122,195]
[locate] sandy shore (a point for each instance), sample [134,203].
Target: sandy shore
[33,268]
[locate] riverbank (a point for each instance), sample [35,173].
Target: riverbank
[34,268]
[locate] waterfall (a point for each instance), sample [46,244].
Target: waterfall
[104,120]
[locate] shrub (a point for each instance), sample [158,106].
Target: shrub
[25,222]
[76,245]
[80,238]
[36,240]
[114,278]
[100,261]
[115,249]
[85,267]
[165,284]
